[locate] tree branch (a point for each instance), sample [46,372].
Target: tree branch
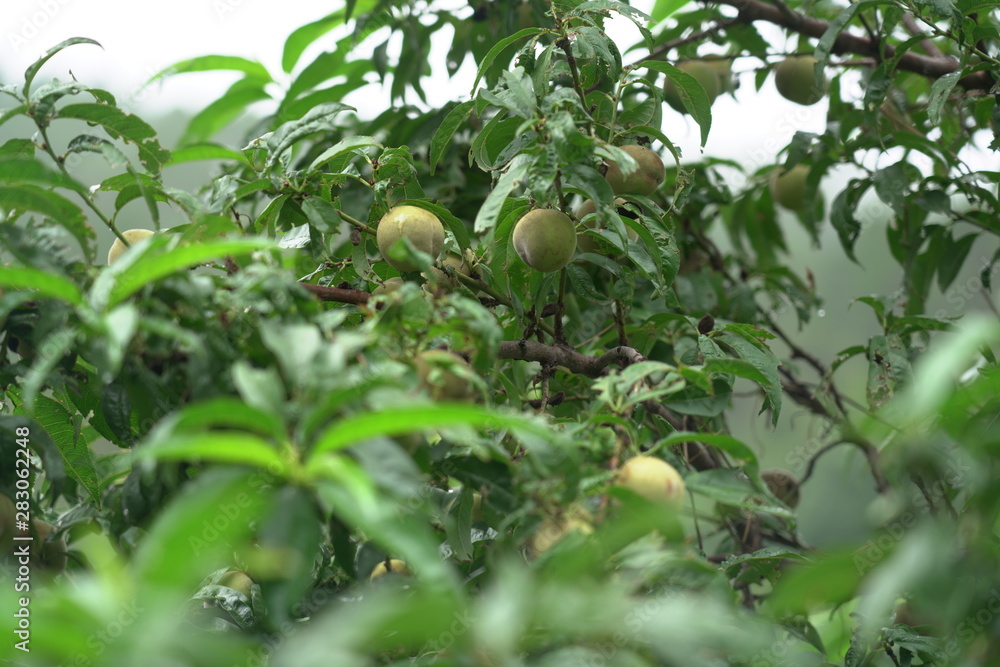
[338,294]
[926,65]
[871,453]
[557,355]
[697,455]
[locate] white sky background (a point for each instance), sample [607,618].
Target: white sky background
[140,39]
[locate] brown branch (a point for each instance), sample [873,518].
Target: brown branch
[338,294]
[871,453]
[557,355]
[926,65]
[697,455]
[799,353]
[799,393]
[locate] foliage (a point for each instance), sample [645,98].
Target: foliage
[230,396]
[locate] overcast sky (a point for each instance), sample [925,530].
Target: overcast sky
[140,39]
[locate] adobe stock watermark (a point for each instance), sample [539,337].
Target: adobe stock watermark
[224,8]
[34,23]
[231,510]
[100,641]
[973,625]
[633,622]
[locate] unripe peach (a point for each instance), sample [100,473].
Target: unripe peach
[552,530]
[395,566]
[422,228]
[795,79]
[436,371]
[644,180]
[133,236]
[788,188]
[653,479]
[238,581]
[584,241]
[545,239]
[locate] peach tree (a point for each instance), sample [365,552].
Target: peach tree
[455,383]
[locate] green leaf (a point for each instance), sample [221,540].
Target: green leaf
[458,525]
[891,185]
[319,119]
[355,500]
[442,137]
[663,9]
[153,268]
[764,563]
[351,430]
[491,55]
[750,348]
[51,351]
[205,151]
[942,9]
[723,441]
[831,580]
[888,366]
[116,407]
[12,438]
[303,36]
[87,143]
[842,215]
[487,215]
[940,91]
[825,45]
[956,250]
[325,66]
[119,325]
[195,531]
[220,413]
[216,446]
[14,112]
[322,215]
[692,94]
[213,63]
[26,169]
[737,367]
[46,284]
[517,94]
[58,422]
[349,145]
[210,120]
[32,71]
[122,125]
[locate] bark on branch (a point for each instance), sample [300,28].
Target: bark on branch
[581,364]
[926,65]
[337,294]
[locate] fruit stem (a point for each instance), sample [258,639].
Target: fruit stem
[567,48]
[620,322]
[357,223]
[558,334]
